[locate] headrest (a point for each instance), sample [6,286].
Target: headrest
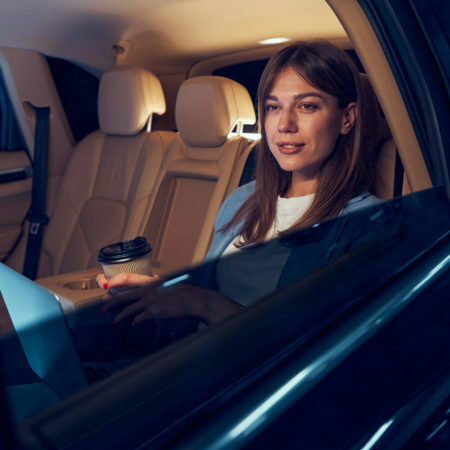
[376,124]
[127,97]
[208,107]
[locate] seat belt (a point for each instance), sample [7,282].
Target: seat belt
[248,172]
[36,215]
[399,172]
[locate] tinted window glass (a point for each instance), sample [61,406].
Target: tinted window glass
[78,90]
[247,73]
[348,260]
[432,18]
[10,135]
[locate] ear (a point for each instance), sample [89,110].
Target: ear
[349,118]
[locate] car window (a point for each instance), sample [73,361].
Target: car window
[318,347]
[11,138]
[78,90]
[315,289]
[432,18]
[423,88]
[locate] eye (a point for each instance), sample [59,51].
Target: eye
[271,107]
[308,107]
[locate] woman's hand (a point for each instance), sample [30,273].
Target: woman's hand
[153,300]
[124,280]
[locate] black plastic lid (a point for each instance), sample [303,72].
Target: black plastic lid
[124,251]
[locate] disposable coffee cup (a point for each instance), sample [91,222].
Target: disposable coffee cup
[127,257]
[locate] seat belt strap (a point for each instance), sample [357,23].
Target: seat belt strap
[399,172]
[248,172]
[36,215]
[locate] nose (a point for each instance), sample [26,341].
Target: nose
[287,123]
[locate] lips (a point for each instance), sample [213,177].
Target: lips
[288,148]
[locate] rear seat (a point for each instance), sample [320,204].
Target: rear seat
[109,180]
[389,176]
[199,170]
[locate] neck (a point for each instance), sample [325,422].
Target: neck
[299,188]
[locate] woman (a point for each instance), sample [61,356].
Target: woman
[313,164]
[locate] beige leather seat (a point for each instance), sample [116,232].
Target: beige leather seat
[381,138]
[109,180]
[198,171]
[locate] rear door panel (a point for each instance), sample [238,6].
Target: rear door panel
[15,197]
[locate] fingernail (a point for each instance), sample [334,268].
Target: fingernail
[105,285]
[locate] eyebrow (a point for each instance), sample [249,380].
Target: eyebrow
[299,96]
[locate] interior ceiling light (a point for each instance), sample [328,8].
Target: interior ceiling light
[272,41]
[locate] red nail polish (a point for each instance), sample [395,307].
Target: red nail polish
[105,285]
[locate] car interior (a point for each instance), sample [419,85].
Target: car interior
[153,123]
[163,171]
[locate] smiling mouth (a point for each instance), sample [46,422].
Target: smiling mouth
[289,148]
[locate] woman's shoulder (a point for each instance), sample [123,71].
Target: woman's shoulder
[363,200]
[233,202]
[243,191]
[239,195]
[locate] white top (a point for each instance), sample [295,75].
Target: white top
[289,211]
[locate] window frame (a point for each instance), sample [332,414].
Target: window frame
[418,78]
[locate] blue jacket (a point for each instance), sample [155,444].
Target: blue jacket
[221,239]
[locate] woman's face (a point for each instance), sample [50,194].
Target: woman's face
[302,124]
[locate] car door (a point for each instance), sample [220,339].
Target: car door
[15,176]
[27,80]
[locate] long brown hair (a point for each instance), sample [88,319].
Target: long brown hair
[349,169]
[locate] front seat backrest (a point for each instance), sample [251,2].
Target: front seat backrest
[196,176]
[380,138]
[109,180]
